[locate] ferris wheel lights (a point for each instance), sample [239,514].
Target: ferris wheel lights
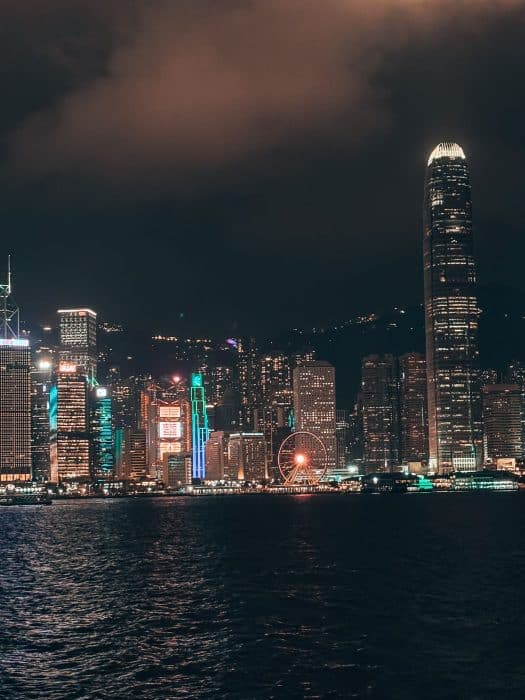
[302,458]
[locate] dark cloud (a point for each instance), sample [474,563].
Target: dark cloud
[197,88]
[196,85]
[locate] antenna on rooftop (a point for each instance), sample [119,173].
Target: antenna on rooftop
[9,312]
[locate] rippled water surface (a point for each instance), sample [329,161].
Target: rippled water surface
[416,596]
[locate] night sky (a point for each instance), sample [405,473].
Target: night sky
[225,166]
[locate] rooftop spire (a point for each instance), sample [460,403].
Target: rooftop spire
[9,313]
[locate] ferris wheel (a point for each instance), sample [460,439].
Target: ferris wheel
[302,459]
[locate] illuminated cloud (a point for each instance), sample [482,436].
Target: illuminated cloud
[189,86]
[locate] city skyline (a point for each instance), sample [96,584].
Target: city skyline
[262,358]
[107,421]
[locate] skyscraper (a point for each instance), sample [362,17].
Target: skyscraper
[342,428]
[166,421]
[125,394]
[41,379]
[15,410]
[78,339]
[516,375]
[216,447]
[101,425]
[133,462]
[275,376]
[248,379]
[355,430]
[502,421]
[68,418]
[273,415]
[175,470]
[314,404]
[413,408]
[199,426]
[451,314]
[379,393]
[247,457]
[15,392]
[219,379]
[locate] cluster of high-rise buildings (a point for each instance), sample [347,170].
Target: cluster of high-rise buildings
[70,416]
[67,420]
[440,409]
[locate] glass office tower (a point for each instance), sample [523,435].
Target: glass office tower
[15,391]
[451,314]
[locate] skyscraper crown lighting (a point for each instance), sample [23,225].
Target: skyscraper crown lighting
[446,149]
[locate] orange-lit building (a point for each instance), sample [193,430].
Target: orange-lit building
[166,421]
[68,414]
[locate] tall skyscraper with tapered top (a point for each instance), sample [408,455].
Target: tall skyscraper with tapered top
[451,314]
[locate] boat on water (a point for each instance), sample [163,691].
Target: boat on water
[25,499]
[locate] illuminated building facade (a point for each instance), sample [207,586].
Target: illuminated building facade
[314,404]
[132,463]
[275,376]
[102,454]
[146,422]
[379,392]
[164,416]
[41,379]
[355,431]
[15,410]
[69,425]
[248,371]
[126,400]
[502,408]
[451,314]
[516,375]
[342,429]
[273,413]
[175,470]
[170,431]
[220,389]
[199,427]
[218,381]
[413,417]
[247,457]
[216,455]
[15,392]
[78,339]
